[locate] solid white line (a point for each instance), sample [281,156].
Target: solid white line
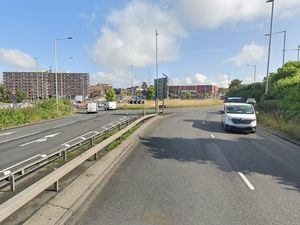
[244,178]
[212,136]
[19,137]
[8,133]
[20,162]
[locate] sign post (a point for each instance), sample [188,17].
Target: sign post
[162,90]
[144,94]
[14,98]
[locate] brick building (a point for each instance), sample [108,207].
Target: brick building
[197,91]
[99,90]
[43,84]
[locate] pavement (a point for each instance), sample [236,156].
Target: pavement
[187,170]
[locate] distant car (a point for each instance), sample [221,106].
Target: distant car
[251,101]
[233,99]
[239,117]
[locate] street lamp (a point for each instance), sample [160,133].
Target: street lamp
[131,77]
[55,55]
[284,43]
[156,64]
[254,75]
[295,49]
[270,42]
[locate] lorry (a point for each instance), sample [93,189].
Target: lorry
[92,107]
[110,106]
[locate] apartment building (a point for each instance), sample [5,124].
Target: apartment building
[41,85]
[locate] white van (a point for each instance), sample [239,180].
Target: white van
[110,106]
[239,117]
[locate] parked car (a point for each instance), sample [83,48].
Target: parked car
[233,99]
[251,101]
[239,117]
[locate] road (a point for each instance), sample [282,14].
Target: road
[25,142]
[187,170]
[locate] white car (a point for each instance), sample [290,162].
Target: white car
[251,101]
[239,117]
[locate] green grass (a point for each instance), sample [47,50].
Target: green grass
[174,103]
[273,122]
[41,111]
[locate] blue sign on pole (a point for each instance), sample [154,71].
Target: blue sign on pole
[144,92]
[14,98]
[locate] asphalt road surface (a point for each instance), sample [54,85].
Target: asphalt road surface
[25,142]
[186,170]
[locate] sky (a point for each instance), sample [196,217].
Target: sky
[198,41]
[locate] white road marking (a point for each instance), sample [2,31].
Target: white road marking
[7,172]
[26,135]
[8,133]
[52,135]
[40,139]
[244,178]
[213,137]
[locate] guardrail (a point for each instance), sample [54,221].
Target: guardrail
[19,200]
[10,175]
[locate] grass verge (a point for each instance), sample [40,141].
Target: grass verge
[174,103]
[270,121]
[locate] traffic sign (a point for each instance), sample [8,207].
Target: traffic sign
[161,88]
[14,98]
[144,92]
[144,86]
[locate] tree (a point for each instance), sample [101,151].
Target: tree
[111,96]
[1,93]
[188,95]
[235,83]
[21,96]
[150,92]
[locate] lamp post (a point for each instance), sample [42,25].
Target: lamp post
[131,77]
[295,49]
[284,44]
[270,42]
[156,65]
[254,75]
[55,55]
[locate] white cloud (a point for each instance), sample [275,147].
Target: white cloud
[17,58]
[129,36]
[214,13]
[220,80]
[200,78]
[250,53]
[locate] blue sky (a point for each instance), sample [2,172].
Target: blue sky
[199,41]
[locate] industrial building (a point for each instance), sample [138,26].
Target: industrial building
[197,91]
[42,85]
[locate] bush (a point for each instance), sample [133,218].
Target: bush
[43,110]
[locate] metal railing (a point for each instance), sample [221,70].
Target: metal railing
[10,175]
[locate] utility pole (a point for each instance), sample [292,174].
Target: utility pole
[269,49]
